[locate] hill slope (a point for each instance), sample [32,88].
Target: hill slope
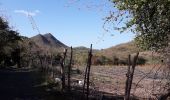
[122,51]
[53,41]
[48,42]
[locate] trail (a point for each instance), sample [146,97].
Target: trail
[20,85]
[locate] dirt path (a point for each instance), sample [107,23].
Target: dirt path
[20,84]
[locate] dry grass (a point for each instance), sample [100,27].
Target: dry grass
[111,79]
[122,51]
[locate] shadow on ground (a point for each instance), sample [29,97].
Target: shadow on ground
[25,85]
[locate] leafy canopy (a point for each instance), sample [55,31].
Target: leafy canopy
[8,37]
[149,19]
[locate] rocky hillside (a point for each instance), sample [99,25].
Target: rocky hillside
[53,41]
[48,42]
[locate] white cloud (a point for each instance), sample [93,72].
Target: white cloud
[37,11]
[31,13]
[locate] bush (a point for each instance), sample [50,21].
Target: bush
[123,62]
[115,60]
[101,60]
[141,61]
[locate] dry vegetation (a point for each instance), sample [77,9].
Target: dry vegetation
[149,80]
[120,54]
[107,76]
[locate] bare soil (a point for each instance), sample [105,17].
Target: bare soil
[105,81]
[149,81]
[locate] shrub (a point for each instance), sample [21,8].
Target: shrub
[141,61]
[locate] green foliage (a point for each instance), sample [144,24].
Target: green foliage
[7,36]
[141,61]
[149,19]
[80,55]
[80,58]
[8,40]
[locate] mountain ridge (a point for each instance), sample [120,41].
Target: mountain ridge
[54,41]
[48,41]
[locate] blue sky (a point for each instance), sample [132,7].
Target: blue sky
[73,23]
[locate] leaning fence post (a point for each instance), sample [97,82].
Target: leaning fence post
[88,72]
[130,77]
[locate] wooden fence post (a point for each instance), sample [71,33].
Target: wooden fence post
[69,69]
[130,73]
[127,75]
[85,77]
[87,74]
[63,69]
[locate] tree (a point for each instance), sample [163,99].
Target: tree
[8,40]
[7,35]
[149,19]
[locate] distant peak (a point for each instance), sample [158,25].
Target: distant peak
[49,40]
[38,35]
[48,34]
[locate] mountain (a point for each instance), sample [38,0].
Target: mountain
[53,41]
[48,42]
[40,40]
